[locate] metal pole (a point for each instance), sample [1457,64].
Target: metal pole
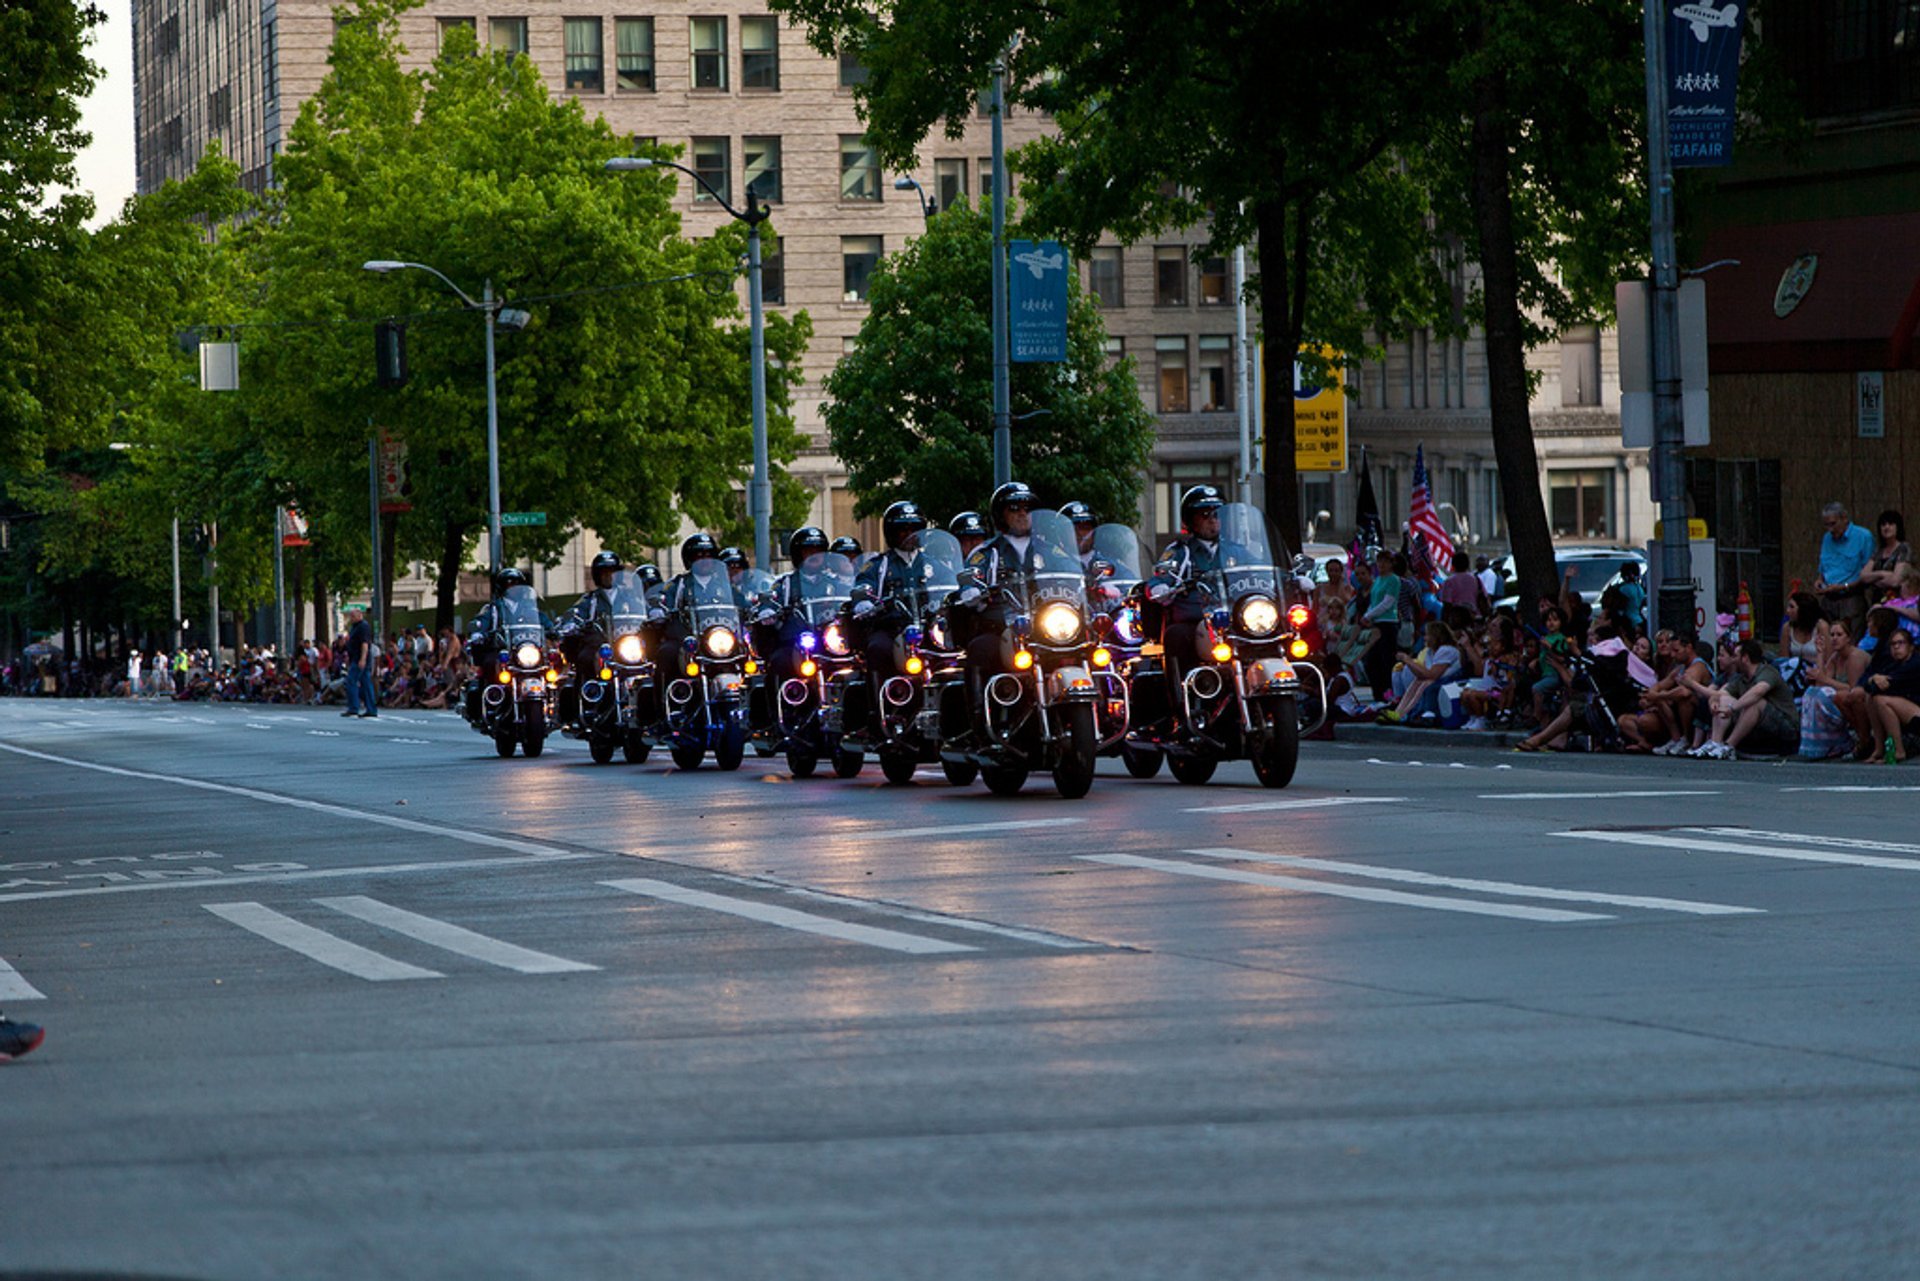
[179,619]
[373,521]
[1241,371]
[1002,423]
[760,499]
[213,595]
[279,583]
[493,444]
[1669,423]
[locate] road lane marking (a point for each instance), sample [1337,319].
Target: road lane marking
[957,829]
[901,910]
[1436,902]
[15,988]
[318,807]
[1581,796]
[453,938]
[279,878]
[1303,803]
[317,945]
[1840,842]
[788,918]
[1512,889]
[1681,841]
[1851,787]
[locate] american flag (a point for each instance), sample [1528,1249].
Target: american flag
[1424,521]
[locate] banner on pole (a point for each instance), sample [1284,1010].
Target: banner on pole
[1037,302]
[393,475]
[1319,422]
[293,528]
[1703,70]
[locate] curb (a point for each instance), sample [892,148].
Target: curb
[1408,735]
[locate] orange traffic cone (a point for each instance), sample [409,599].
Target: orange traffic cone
[1743,614]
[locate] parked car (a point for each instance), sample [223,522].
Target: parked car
[1594,569]
[1322,553]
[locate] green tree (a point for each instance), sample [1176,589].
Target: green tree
[624,402]
[1273,124]
[909,409]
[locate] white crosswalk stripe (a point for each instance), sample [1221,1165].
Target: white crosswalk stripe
[453,938]
[1686,842]
[1510,889]
[318,945]
[788,918]
[15,988]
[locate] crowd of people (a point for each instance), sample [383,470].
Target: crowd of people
[411,669]
[1843,679]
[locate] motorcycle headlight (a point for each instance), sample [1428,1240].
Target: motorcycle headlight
[835,639]
[1058,623]
[627,649]
[937,636]
[1259,616]
[720,642]
[527,655]
[1126,626]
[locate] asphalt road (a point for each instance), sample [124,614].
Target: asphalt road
[332,997]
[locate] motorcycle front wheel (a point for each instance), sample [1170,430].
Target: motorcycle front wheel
[960,773]
[847,763]
[1192,769]
[636,749]
[1073,775]
[899,766]
[1004,780]
[732,747]
[689,755]
[601,749]
[1141,762]
[504,744]
[801,761]
[1277,753]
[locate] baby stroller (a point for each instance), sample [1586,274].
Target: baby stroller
[1601,684]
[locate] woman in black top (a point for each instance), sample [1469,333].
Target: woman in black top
[1892,693]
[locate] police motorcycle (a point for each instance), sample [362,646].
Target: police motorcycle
[514,701]
[613,681]
[1116,576]
[701,671]
[911,655]
[1223,684]
[813,664]
[1037,711]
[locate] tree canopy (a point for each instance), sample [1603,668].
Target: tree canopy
[909,409]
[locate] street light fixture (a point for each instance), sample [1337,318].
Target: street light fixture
[927,207]
[489,307]
[760,494]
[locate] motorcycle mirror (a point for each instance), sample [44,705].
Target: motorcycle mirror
[1303,566]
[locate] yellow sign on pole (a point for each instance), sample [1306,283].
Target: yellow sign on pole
[1319,423]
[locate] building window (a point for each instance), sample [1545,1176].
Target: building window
[444,25]
[1580,503]
[1104,275]
[1216,373]
[173,136]
[853,72]
[986,177]
[220,109]
[949,183]
[859,169]
[585,55]
[859,255]
[215,8]
[759,53]
[1216,284]
[709,39]
[1169,276]
[1492,513]
[773,278]
[166,41]
[1171,354]
[1116,348]
[508,36]
[633,53]
[714,164]
[1580,365]
[762,157]
[270,60]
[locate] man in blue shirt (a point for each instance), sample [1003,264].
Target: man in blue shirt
[1845,550]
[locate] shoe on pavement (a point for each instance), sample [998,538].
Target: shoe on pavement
[1478,722]
[369,716]
[18,1038]
[350,713]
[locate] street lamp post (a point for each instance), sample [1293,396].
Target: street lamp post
[927,207]
[1002,424]
[489,307]
[760,494]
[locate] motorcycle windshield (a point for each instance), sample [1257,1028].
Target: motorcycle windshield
[1251,553]
[626,600]
[821,590]
[756,586]
[940,556]
[518,612]
[1119,547]
[1053,558]
[710,601]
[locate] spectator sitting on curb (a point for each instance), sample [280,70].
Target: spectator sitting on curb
[1804,615]
[1824,728]
[1755,708]
[1492,693]
[1893,697]
[1417,679]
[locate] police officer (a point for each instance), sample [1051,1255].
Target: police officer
[890,589]
[848,546]
[970,530]
[487,635]
[990,591]
[1083,526]
[737,565]
[1188,558]
[585,626]
[778,623]
[700,555]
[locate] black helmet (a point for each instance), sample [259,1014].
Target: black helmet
[968,525]
[901,519]
[1078,512]
[511,576]
[846,546]
[699,547]
[808,540]
[604,561]
[1007,496]
[648,574]
[734,558]
[1198,499]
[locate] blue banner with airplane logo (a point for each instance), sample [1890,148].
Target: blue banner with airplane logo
[1037,303]
[1703,70]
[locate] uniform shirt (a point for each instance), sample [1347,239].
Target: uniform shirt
[895,577]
